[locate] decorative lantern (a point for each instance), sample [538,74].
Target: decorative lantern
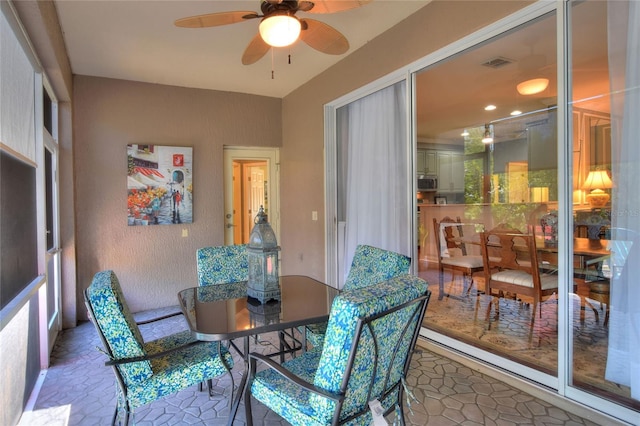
[262,253]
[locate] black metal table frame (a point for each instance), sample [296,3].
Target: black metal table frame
[186,296]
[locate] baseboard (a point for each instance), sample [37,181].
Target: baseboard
[540,392]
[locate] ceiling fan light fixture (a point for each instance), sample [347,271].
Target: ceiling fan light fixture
[533,86]
[280,30]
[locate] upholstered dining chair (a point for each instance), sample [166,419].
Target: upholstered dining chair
[370,265]
[511,267]
[147,371]
[371,335]
[222,264]
[456,259]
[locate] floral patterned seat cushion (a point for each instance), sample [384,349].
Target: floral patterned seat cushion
[179,370]
[326,367]
[222,264]
[147,381]
[370,265]
[114,318]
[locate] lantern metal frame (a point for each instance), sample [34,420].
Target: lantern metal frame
[262,252]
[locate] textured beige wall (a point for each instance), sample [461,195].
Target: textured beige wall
[302,172]
[153,263]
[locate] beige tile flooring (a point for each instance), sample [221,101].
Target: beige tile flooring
[79,390]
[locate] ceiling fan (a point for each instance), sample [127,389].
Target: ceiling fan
[280,27]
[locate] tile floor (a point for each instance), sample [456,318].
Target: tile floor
[79,390]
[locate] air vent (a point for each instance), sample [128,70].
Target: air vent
[497,62]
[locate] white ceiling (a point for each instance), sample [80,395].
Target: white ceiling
[137,40]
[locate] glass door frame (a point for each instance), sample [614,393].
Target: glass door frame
[559,386]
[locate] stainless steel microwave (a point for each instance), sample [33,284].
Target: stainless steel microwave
[427,183]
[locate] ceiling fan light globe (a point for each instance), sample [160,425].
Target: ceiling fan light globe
[280,30]
[533,86]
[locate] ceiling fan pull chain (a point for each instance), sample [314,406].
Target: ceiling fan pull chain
[272,72]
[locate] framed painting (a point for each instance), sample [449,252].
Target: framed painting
[159,184]
[440,199]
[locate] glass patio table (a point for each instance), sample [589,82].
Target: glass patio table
[223,312]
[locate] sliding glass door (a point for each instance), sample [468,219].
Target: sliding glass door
[529,128]
[493,135]
[605,104]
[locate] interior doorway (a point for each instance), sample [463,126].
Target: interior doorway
[251,180]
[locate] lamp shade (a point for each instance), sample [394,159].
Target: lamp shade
[279,30]
[597,179]
[533,86]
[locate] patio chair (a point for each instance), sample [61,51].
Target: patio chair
[147,371]
[371,335]
[370,265]
[222,264]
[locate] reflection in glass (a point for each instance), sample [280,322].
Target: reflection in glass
[605,101]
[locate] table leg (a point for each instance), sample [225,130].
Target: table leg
[236,400]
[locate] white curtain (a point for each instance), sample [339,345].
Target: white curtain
[623,361]
[377,203]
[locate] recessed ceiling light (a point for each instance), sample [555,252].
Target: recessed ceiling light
[516,112]
[489,107]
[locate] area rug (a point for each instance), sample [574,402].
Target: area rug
[468,318]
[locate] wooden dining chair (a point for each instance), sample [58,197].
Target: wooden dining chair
[511,269]
[456,259]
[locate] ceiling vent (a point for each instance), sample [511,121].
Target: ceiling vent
[497,62]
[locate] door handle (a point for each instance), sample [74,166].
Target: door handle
[229,225]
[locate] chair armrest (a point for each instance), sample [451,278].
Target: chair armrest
[149,321]
[119,361]
[254,357]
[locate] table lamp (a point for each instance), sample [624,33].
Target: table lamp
[597,181]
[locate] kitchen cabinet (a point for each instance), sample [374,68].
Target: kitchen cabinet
[426,163]
[450,171]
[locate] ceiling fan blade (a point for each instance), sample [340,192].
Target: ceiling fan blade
[215,19]
[256,49]
[323,37]
[332,6]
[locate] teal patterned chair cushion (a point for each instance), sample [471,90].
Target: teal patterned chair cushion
[112,315]
[179,370]
[370,265]
[170,363]
[326,367]
[222,264]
